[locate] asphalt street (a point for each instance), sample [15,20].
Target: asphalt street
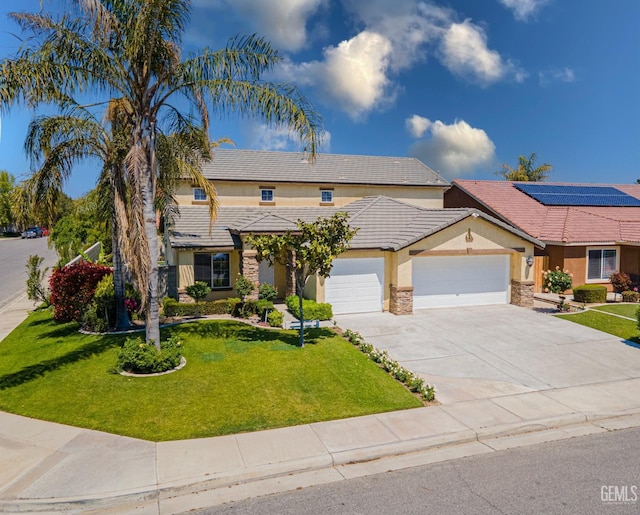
[14,253]
[587,475]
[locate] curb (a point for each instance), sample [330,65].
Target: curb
[565,426]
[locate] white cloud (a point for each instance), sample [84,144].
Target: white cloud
[261,136]
[464,51]
[358,74]
[282,22]
[454,150]
[352,75]
[556,75]
[417,125]
[523,9]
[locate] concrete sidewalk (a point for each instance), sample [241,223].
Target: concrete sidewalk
[60,469]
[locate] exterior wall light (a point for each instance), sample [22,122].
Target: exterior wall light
[530,260]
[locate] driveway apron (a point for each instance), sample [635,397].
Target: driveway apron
[482,352]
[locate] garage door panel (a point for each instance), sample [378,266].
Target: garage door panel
[355,285]
[446,281]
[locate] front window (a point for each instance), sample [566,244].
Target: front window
[326,196]
[199,194]
[212,269]
[601,264]
[266,195]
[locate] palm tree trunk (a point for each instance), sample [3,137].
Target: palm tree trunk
[122,316]
[152,315]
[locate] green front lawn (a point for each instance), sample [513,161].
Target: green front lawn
[626,309]
[237,378]
[626,329]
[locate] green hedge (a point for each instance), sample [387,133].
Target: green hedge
[312,310]
[589,293]
[172,307]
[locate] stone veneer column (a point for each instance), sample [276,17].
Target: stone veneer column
[401,301]
[522,293]
[250,269]
[291,276]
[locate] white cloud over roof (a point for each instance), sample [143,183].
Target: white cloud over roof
[358,74]
[465,53]
[282,22]
[451,150]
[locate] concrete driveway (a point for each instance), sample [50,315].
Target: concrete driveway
[483,352]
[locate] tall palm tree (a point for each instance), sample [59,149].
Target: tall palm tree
[130,49]
[526,170]
[56,143]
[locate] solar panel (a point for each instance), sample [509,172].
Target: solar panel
[567,195]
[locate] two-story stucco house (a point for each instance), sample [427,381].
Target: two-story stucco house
[409,252]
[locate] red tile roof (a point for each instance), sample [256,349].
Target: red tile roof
[558,224]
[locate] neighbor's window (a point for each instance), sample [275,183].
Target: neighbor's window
[212,269]
[326,196]
[266,195]
[601,264]
[199,194]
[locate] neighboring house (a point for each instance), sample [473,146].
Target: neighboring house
[408,253]
[591,230]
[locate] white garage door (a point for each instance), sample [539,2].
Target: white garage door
[355,285]
[444,281]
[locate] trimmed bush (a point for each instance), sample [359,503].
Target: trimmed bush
[72,289]
[312,310]
[630,296]
[173,308]
[267,291]
[248,308]
[275,318]
[589,293]
[139,357]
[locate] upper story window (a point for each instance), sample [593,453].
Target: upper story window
[326,196]
[601,263]
[199,194]
[266,195]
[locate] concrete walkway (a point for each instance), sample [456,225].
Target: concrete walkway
[491,401]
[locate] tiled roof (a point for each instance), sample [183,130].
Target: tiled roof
[276,167]
[382,222]
[558,224]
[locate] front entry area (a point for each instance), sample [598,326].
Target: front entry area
[450,281]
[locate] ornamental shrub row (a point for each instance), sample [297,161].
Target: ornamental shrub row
[173,308]
[312,310]
[412,381]
[231,306]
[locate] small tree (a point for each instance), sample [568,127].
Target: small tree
[198,291]
[557,281]
[314,247]
[620,282]
[36,291]
[244,287]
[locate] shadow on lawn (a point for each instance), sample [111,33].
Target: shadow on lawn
[40,369]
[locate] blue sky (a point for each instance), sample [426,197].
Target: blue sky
[463,85]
